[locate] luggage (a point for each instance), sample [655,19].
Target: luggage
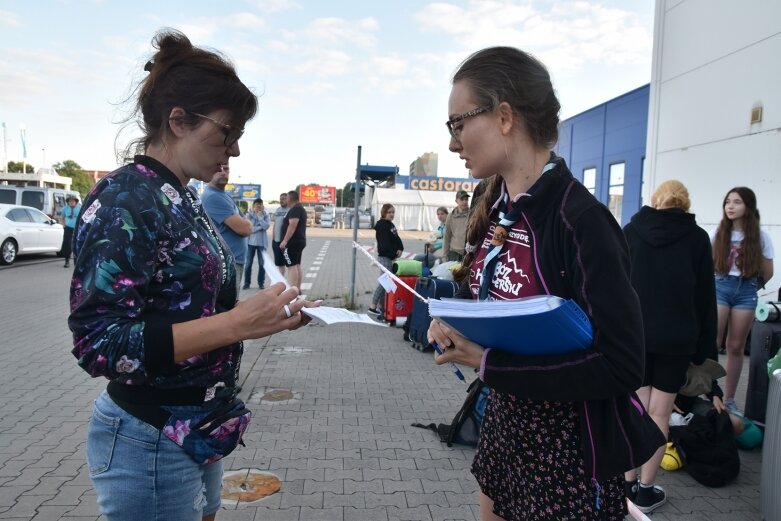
[765,341]
[419,320]
[399,303]
[770,478]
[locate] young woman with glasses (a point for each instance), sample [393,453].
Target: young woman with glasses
[559,430]
[153,298]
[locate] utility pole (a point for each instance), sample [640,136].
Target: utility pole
[5,151]
[356,221]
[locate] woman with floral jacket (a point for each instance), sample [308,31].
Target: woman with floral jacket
[153,298]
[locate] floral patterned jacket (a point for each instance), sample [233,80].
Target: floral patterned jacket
[147,257]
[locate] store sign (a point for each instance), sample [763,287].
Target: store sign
[242,192]
[439,184]
[316,194]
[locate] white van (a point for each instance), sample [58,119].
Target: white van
[48,200]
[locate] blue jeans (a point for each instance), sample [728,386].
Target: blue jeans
[138,473]
[736,292]
[251,252]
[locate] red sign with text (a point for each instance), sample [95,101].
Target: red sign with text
[316,194]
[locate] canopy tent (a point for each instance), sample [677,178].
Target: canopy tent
[415,209]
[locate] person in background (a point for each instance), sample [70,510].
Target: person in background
[233,227]
[560,430]
[257,243]
[672,272]
[153,297]
[68,217]
[293,238]
[434,243]
[389,247]
[455,229]
[279,218]
[743,262]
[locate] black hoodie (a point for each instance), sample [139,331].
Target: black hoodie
[672,272]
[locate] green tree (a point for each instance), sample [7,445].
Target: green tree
[81,181]
[16,166]
[345,197]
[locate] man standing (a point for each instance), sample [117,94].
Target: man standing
[232,226]
[68,217]
[293,238]
[279,217]
[454,242]
[257,242]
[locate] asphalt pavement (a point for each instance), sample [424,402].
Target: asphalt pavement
[332,412]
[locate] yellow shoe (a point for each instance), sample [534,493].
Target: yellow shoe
[671,459]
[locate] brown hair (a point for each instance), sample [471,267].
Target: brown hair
[384,209]
[749,260]
[181,75]
[671,194]
[506,74]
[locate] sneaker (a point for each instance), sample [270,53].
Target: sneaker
[732,407]
[374,311]
[245,287]
[650,498]
[630,490]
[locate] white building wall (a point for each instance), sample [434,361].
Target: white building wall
[715,60]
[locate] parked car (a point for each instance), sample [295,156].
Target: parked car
[26,230]
[48,200]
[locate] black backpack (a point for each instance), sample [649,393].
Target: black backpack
[708,448]
[465,428]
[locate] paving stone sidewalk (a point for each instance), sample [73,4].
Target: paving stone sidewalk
[342,444]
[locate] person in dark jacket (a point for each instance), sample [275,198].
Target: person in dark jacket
[389,247]
[559,430]
[672,272]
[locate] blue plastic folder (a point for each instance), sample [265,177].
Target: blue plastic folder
[540,325]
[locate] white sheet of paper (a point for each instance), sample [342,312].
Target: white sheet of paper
[329,315]
[272,271]
[387,283]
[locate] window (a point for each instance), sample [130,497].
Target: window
[590,179]
[19,215]
[59,203]
[616,190]
[8,196]
[33,198]
[38,217]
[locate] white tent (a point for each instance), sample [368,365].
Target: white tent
[415,209]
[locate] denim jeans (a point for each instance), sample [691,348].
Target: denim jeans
[736,292]
[251,252]
[138,473]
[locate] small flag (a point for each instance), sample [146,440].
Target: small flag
[387,283]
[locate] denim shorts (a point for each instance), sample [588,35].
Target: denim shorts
[736,292]
[138,473]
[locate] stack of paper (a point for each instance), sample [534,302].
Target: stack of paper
[539,325]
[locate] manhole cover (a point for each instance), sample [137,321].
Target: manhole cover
[277,395]
[248,485]
[270,395]
[291,350]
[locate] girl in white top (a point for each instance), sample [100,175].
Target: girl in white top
[743,261]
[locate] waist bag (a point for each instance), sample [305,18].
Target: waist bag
[205,434]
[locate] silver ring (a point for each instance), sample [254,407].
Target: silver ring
[287,311]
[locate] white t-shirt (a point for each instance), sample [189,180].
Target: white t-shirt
[734,250]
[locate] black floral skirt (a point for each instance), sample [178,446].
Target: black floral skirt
[530,463]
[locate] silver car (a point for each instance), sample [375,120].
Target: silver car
[26,230]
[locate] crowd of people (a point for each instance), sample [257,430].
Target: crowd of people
[158,270]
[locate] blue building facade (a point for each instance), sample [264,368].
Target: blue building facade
[605,149]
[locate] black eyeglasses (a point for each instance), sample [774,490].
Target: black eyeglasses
[455,132]
[232,134]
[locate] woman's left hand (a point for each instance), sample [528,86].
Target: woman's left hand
[455,348]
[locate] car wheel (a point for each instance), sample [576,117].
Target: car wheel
[8,252]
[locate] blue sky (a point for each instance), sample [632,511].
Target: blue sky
[331,75]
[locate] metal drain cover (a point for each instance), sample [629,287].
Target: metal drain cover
[249,485]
